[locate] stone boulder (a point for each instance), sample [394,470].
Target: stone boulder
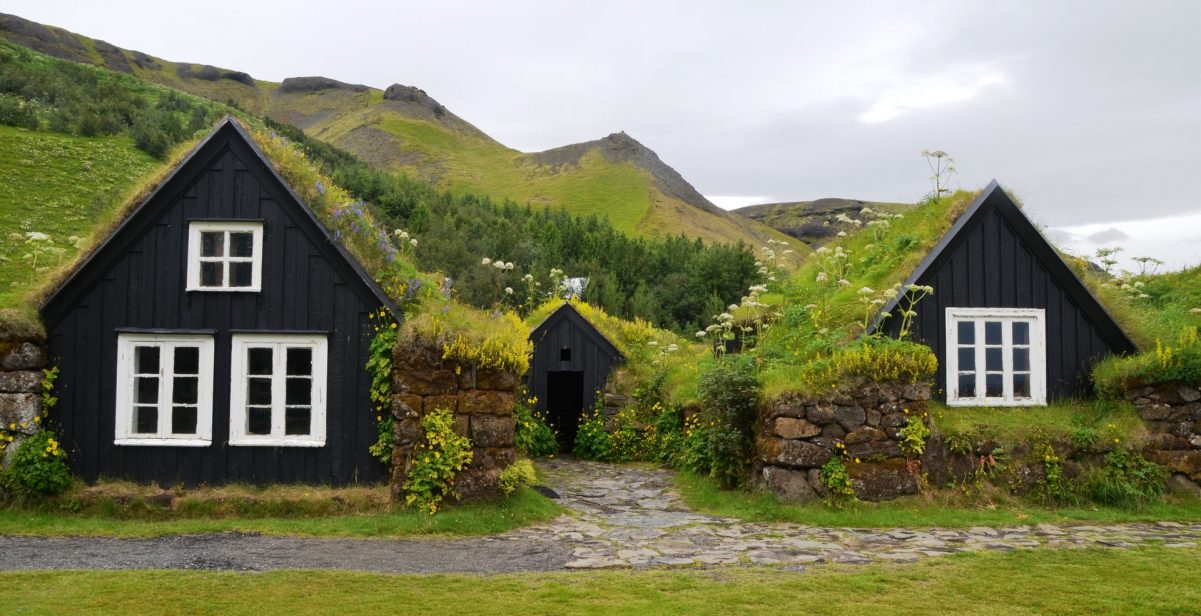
[790,486]
[796,454]
[300,85]
[18,411]
[492,431]
[792,428]
[874,481]
[484,402]
[1187,462]
[850,417]
[22,382]
[22,356]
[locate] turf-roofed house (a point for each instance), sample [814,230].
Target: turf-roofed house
[218,334]
[571,364]
[1010,322]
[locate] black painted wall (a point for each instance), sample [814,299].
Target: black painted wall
[137,281]
[998,259]
[591,354]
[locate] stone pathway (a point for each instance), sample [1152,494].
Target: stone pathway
[619,516]
[628,516]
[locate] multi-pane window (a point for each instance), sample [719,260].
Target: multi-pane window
[277,393]
[995,357]
[164,389]
[225,256]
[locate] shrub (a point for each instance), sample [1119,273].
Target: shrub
[869,359]
[518,474]
[39,467]
[441,454]
[1052,485]
[695,454]
[1174,361]
[592,441]
[837,482]
[533,437]
[914,435]
[730,395]
[669,428]
[1127,480]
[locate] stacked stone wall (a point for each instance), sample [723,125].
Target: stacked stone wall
[21,365]
[1172,413]
[799,434]
[482,403]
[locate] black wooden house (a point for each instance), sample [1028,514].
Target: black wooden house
[1010,322]
[571,363]
[219,334]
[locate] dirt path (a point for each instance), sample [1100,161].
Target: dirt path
[621,516]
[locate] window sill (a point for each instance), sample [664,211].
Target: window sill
[162,442]
[986,402]
[223,290]
[247,441]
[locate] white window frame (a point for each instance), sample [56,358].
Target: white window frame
[238,391]
[1036,317]
[125,435]
[195,228]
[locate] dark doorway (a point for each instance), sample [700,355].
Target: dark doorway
[564,403]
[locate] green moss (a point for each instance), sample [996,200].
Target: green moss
[61,186]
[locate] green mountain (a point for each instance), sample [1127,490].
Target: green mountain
[403,129]
[814,222]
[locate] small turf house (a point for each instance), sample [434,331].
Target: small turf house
[1010,322]
[219,334]
[571,363]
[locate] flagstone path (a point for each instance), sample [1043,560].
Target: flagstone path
[619,516]
[630,517]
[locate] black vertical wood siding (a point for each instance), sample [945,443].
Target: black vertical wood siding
[997,259]
[591,354]
[138,280]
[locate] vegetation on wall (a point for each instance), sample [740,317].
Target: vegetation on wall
[440,455]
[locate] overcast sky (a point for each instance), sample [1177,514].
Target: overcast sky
[1089,112]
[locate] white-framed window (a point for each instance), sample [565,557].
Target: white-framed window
[164,390]
[277,390]
[225,256]
[996,357]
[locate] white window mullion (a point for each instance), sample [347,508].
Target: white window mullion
[981,353]
[1007,359]
[278,389]
[166,381]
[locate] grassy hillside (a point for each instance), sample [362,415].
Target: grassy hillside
[61,186]
[403,129]
[813,222]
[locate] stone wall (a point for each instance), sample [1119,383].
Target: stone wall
[481,400]
[799,434]
[1172,413]
[21,365]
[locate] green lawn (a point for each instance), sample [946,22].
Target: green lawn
[1059,419]
[1085,581]
[944,508]
[522,509]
